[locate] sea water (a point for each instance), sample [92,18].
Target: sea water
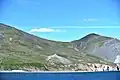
[111,75]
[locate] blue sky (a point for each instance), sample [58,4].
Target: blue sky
[62,20]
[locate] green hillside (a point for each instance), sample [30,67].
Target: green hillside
[20,50]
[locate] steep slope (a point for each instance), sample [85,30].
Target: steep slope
[106,48]
[19,50]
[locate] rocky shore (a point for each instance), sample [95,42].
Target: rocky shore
[88,67]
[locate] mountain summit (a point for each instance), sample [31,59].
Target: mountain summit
[104,47]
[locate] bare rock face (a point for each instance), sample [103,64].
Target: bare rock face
[117,59]
[87,67]
[58,59]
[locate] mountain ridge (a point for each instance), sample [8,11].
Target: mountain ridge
[18,47]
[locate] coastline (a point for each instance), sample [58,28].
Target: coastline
[55,71]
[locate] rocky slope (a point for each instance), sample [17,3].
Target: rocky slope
[20,50]
[106,48]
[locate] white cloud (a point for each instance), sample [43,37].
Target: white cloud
[45,30]
[64,28]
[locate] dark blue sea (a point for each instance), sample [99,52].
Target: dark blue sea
[112,75]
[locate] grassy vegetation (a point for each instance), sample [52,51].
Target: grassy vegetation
[21,66]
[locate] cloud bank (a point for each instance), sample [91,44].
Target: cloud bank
[45,30]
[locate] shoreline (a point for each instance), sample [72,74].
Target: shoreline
[55,71]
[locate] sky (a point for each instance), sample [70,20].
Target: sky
[62,20]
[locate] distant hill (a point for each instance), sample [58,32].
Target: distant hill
[104,47]
[20,50]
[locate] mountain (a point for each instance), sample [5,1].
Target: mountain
[20,50]
[104,47]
